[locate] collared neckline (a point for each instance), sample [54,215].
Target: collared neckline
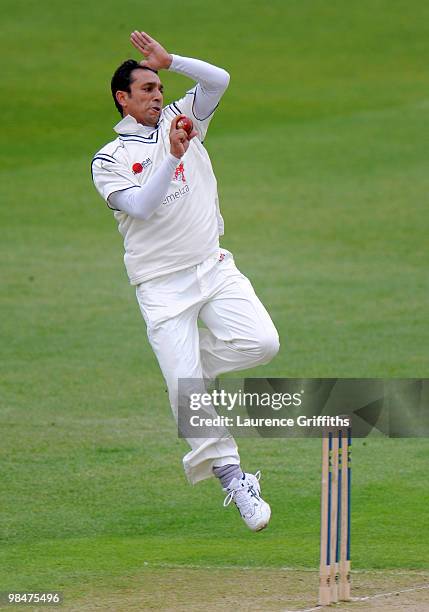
[129,125]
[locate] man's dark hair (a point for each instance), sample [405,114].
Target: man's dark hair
[121,80]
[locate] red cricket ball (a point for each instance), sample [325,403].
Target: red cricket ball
[186,124]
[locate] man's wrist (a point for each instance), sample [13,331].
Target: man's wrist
[172,158]
[173,62]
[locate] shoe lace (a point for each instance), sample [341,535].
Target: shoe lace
[235,494]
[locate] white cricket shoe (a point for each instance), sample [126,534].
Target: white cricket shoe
[246,495]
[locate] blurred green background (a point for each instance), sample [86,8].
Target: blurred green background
[320,150]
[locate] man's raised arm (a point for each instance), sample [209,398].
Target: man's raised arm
[212,81]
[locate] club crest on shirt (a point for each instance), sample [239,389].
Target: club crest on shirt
[179,174]
[138,167]
[182,189]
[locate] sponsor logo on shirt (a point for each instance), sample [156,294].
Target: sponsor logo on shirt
[176,195]
[138,167]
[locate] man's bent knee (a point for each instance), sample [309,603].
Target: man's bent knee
[257,350]
[269,346]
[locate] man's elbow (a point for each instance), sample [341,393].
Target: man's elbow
[224,79]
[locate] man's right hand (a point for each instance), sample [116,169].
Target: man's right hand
[156,57]
[179,139]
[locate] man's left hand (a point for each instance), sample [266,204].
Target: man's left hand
[156,57]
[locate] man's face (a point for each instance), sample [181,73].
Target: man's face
[144,103]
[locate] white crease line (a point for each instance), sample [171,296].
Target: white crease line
[280,569]
[418,588]
[230,567]
[306,609]
[368,597]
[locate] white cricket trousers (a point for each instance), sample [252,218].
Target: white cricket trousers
[239,334]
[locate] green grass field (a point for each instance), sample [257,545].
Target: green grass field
[320,150]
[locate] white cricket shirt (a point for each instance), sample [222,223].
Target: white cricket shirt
[184,230]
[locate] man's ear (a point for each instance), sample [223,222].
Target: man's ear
[122,97]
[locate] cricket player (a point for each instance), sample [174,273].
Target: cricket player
[159,182]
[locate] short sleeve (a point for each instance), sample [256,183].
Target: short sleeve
[185,106]
[111,175]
